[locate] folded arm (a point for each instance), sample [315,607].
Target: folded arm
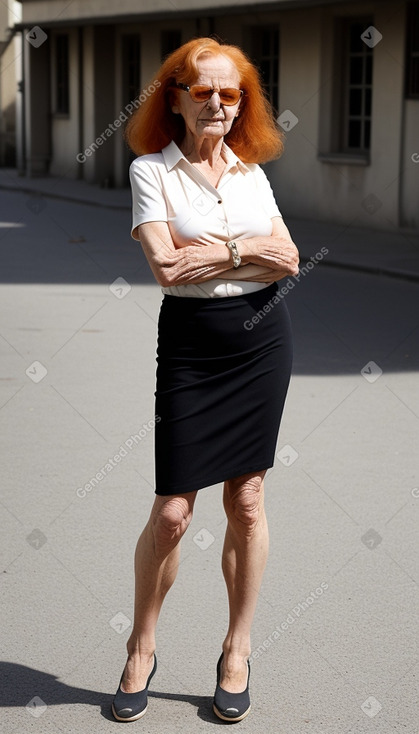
[277,254]
[264,259]
[194,263]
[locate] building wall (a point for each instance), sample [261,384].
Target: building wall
[4,22]
[310,181]
[10,75]
[9,64]
[37,11]
[294,175]
[410,167]
[64,128]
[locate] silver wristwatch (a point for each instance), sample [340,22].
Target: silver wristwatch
[235,253]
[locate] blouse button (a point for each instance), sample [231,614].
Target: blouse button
[219,201]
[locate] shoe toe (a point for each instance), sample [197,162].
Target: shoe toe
[231,706]
[131,706]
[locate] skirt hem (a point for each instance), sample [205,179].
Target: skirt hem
[195,486]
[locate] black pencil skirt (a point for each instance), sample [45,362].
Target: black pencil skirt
[223,369]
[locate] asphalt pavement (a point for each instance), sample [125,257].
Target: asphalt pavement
[334,640]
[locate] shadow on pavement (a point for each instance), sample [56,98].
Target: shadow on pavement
[22,685]
[342,321]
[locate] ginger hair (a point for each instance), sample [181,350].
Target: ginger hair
[254,136]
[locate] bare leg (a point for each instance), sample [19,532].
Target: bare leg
[244,559]
[156,565]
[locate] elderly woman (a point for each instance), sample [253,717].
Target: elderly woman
[216,243]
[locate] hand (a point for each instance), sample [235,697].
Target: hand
[253,273]
[277,252]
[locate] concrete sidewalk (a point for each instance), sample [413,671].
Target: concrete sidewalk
[391,253]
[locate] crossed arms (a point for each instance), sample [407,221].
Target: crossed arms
[264,259]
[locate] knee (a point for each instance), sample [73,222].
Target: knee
[171,520]
[244,502]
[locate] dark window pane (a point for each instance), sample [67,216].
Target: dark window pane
[368,98]
[367,134]
[62,80]
[368,69]
[414,76]
[265,69]
[355,101]
[356,90]
[412,50]
[414,26]
[356,65]
[131,65]
[265,53]
[356,43]
[170,41]
[354,137]
[266,43]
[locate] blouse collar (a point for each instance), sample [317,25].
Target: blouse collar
[173,155]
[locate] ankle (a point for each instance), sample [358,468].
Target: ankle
[137,649]
[236,651]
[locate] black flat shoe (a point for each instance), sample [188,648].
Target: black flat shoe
[131,706]
[231,706]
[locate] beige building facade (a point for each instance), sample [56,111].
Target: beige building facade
[343,78]
[10,81]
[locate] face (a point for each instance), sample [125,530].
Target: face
[209,119]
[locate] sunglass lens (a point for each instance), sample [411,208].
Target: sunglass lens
[229,96]
[200,94]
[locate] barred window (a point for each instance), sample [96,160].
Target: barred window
[130,66]
[265,53]
[356,99]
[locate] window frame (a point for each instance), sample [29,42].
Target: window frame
[345,115]
[254,35]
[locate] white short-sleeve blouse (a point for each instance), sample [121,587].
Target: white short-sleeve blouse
[167,188]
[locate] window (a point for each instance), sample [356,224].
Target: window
[412,48]
[62,79]
[265,53]
[130,50]
[170,41]
[130,66]
[356,88]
